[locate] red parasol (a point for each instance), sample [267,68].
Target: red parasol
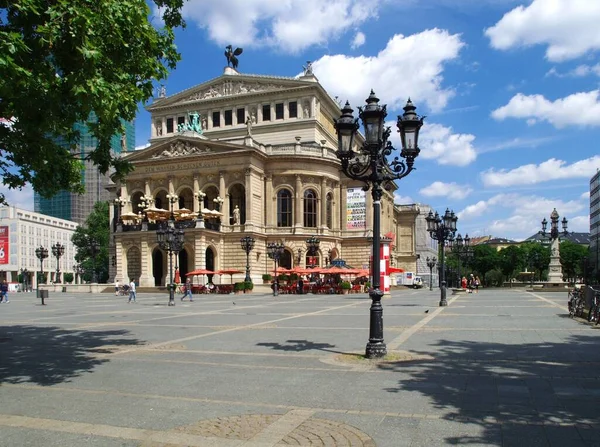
[200,272]
[229,272]
[395,270]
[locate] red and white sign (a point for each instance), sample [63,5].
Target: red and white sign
[4,245]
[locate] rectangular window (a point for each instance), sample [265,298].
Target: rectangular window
[279,111]
[216,119]
[180,120]
[241,116]
[228,117]
[293,109]
[169,125]
[266,109]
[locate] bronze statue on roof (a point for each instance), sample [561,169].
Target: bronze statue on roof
[231,55]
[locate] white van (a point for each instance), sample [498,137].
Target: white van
[417,282]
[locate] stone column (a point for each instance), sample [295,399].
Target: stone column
[298,217]
[197,207]
[322,216]
[224,195]
[248,198]
[270,216]
[342,207]
[146,279]
[147,188]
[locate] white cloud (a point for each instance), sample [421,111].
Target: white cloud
[581,109]
[291,25]
[517,142]
[578,72]
[450,190]
[579,224]
[359,40]
[419,59]
[546,171]
[568,27]
[20,198]
[585,195]
[438,143]
[526,214]
[143,146]
[402,200]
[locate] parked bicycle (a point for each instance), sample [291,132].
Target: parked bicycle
[576,302]
[594,313]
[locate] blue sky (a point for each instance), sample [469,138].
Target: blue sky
[510,89]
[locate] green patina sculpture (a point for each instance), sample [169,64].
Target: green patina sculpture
[193,124]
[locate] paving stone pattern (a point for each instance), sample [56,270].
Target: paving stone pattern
[498,368]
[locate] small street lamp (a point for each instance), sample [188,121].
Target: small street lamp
[275,251]
[555,267]
[172,198]
[247,245]
[41,253]
[145,203]
[312,248]
[462,249]
[369,164]
[57,251]
[200,196]
[431,264]
[218,202]
[170,239]
[442,229]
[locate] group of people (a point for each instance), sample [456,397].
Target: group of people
[471,284]
[131,289]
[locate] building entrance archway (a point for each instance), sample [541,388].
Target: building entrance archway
[158,266]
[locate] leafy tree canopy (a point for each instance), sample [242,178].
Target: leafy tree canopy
[485,258]
[96,229]
[63,61]
[512,260]
[571,259]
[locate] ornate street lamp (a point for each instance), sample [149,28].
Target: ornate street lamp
[462,249]
[555,267]
[431,264]
[41,253]
[312,248]
[442,229]
[275,251]
[247,245]
[145,203]
[369,164]
[218,202]
[170,239]
[200,196]
[57,251]
[172,198]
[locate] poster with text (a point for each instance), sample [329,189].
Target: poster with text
[4,245]
[356,209]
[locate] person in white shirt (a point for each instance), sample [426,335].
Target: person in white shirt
[131,291]
[116,287]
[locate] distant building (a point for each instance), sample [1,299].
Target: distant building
[595,223]
[75,207]
[21,232]
[575,237]
[498,243]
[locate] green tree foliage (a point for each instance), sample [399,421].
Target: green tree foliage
[512,259]
[64,61]
[485,258]
[97,229]
[571,259]
[538,258]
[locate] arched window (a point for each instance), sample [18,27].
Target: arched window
[329,211]
[284,208]
[310,208]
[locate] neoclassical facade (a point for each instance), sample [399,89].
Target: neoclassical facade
[264,146]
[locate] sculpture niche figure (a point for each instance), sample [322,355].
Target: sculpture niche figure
[231,56]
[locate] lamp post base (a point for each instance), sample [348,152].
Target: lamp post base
[171,295]
[443,300]
[376,350]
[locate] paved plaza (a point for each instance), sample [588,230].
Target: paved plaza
[502,368]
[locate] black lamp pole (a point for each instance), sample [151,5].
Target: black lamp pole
[247,245]
[275,251]
[170,239]
[368,163]
[312,246]
[442,229]
[41,253]
[462,249]
[57,251]
[431,264]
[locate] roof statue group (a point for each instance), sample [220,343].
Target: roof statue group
[231,56]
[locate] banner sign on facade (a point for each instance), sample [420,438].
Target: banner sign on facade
[4,245]
[356,209]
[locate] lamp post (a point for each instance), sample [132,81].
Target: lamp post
[431,264]
[462,249]
[555,268]
[312,248]
[41,253]
[200,196]
[247,245]
[57,251]
[218,202]
[94,247]
[369,164]
[275,251]
[442,229]
[172,198]
[120,202]
[170,239]
[145,203]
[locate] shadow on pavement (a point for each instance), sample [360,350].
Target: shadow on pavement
[300,345]
[513,391]
[51,355]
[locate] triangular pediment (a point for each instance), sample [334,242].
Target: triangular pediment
[228,85]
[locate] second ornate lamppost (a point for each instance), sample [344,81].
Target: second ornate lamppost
[170,239]
[442,229]
[312,248]
[555,267]
[462,249]
[41,253]
[247,245]
[275,251]
[172,198]
[431,264]
[200,196]
[368,163]
[57,251]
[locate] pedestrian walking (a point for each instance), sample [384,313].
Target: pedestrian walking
[477,282]
[463,282]
[131,291]
[116,287]
[4,292]
[187,289]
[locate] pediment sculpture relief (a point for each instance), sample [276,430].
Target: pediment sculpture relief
[181,148]
[233,88]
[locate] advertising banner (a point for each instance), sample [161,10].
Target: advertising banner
[356,209]
[4,245]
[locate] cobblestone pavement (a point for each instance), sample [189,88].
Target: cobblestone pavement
[499,368]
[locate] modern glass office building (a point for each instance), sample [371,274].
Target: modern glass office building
[595,224]
[75,207]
